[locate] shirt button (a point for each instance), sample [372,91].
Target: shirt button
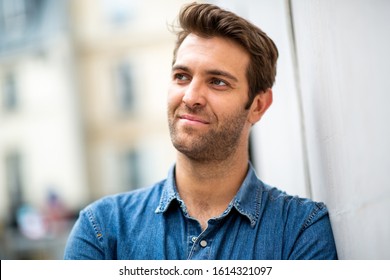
[203,243]
[194,239]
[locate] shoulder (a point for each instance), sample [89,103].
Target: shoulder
[275,204]
[302,223]
[127,202]
[297,209]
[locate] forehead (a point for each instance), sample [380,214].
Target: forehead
[214,52]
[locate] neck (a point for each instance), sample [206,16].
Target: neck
[208,187]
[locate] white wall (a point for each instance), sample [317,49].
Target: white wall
[343,55]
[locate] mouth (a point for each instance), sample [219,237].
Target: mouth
[193,119]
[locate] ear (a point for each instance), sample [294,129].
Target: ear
[259,105]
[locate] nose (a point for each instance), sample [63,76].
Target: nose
[194,95]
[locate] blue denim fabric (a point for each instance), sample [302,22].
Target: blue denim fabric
[261,222]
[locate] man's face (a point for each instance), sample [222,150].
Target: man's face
[207,97]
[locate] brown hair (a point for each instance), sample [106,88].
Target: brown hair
[207,20]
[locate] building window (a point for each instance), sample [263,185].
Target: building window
[130,170]
[14,183]
[124,87]
[19,19]
[9,93]
[14,15]
[119,12]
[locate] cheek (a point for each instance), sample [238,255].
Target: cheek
[227,110]
[221,105]
[174,98]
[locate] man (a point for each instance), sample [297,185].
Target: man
[212,205]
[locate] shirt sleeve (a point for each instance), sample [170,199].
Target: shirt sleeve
[315,239]
[85,239]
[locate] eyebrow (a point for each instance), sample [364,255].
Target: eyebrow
[215,72]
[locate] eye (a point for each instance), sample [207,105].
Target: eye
[180,78]
[218,83]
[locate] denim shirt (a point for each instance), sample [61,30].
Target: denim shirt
[261,222]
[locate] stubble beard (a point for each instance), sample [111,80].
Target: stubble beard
[217,144]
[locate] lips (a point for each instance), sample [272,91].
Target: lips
[193,118]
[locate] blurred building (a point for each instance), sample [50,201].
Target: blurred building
[41,140]
[40,133]
[83,89]
[124,52]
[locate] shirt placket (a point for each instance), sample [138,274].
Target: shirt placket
[199,242]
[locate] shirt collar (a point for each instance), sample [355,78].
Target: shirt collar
[247,200]
[169,192]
